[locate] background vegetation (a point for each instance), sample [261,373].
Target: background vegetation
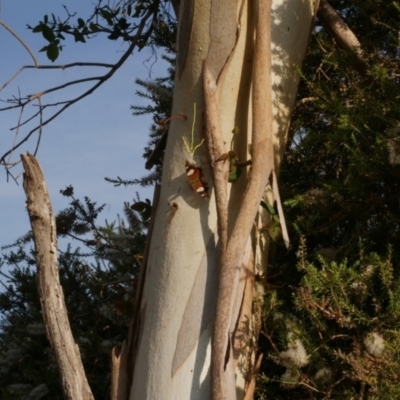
[329,307]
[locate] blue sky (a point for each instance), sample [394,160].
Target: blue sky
[94,138]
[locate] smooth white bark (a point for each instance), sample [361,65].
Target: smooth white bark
[178,300]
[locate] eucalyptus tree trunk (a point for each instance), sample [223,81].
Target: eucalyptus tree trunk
[171,345]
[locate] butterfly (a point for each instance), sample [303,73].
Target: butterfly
[194,175]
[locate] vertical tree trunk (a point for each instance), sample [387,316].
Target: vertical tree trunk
[176,316]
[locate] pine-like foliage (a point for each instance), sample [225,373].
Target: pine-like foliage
[331,323]
[159,94]
[329,308]
[99,282]
[99,288]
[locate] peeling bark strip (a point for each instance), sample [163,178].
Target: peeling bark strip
[222,372]
[73,378]
[223,30]
[216,147]
[135,324]
[119,373]
[186,15]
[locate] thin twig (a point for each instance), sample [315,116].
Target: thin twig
[75,64]
[138,37]
[26,47]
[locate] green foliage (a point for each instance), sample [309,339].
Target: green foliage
[341,337]
[99,288]
[159,93]
[341,172]
[331,326]
[121,22]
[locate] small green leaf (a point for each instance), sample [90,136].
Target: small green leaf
[48,33]
[144,208]
[115,34]
[94,27]
[107,16]
[78,36]
[43,49]
[275,231]
[123,24]
[81,23]
[234,171]
[129,10]
[46,19]
[52,52]
[139,206]
[37,28]
[275,217]
[146,214]
[268,207]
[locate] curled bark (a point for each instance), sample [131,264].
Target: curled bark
[222,363]
[55,316]
[216,147]
[119,373]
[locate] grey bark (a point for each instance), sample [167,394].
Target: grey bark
[55,316]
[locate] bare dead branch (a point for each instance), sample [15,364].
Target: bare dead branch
[16,134]
[26,47]
[136,321]
[277,197]
[252,385]
[13,33]
[119,376]
[65,66]
[53,89]
[71,65]
[55,316]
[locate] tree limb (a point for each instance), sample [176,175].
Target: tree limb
[343,35]
[262,166]
[26,47]
[39,100]
[55,316]
[119,373]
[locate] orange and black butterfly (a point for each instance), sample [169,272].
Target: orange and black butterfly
[194,175]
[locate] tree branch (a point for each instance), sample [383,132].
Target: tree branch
[26,47]
[343,35]
[138,38]
[55,316]
[11,31]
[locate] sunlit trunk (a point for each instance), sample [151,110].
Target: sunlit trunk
[172,359]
